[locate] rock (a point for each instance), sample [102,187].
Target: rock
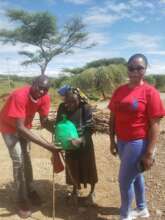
[159,212]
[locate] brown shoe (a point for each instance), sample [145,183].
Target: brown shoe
[34,198]
[24,209]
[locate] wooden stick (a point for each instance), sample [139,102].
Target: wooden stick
[53,211]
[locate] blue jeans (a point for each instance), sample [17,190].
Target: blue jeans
[131,181]
[22,168]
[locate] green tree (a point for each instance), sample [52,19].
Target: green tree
[40,30]
[150,79]
[60,80]
[85,80]
[74,71]
[118,73]
[103,80]
[106,62]
[160,82]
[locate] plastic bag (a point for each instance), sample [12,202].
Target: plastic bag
[64,132]
[57,162]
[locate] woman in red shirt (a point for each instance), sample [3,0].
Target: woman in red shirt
[136,110]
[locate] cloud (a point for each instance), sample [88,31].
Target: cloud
[78,2]
[99,19]
[9,48]
[5,22]
[156,52]
[142,41]
[112,11]
[156,68]
[162,1]
[117,7]
[99,38]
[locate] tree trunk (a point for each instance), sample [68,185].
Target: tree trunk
[43,68]
[42,71]
[103,94]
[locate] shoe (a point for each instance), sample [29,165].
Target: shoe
[24,209]
[135,213]
[34,198]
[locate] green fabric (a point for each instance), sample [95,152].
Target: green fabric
[65,131]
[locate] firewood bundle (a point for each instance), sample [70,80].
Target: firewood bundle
[100,118]
[101,121]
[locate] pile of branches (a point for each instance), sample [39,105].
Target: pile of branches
[100,118]
[101,121]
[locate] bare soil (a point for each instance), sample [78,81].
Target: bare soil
[107,201]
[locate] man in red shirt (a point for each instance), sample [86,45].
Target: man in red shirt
[15,122]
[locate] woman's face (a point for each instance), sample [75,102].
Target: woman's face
[136,70]
[72,102]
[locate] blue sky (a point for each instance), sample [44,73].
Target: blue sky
[120,28]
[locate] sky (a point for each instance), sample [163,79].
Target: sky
[119,29]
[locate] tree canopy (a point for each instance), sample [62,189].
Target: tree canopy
[40,30]
[97,64]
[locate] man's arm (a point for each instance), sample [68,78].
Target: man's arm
[26,133]
[48,124]
[113,147]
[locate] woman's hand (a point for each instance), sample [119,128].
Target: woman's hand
[148,161]
[113,148]
[76,142]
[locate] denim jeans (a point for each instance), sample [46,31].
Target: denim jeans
[22,168]
[131,181]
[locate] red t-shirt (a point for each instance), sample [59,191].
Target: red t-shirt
[133,107]
[20,105]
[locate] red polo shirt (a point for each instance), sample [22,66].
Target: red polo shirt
[133,108]
[20,105]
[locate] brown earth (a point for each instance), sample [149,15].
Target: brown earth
[107,192]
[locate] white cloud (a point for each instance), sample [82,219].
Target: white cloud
[136,3]
[5,22]
[157,68]
[156,64]
[9,48]
[101,19]
[117,8]
[111,11]
[157,52]
[162,1]
[138,19]
[99,38]
[142,41]
[79,2]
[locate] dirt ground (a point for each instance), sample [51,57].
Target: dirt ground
[107,200]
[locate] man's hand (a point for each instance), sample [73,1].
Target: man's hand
[52,147]
[113,148]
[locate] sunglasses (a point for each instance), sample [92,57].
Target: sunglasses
[137,68]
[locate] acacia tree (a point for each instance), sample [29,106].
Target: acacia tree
[40,30]
[103,80]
